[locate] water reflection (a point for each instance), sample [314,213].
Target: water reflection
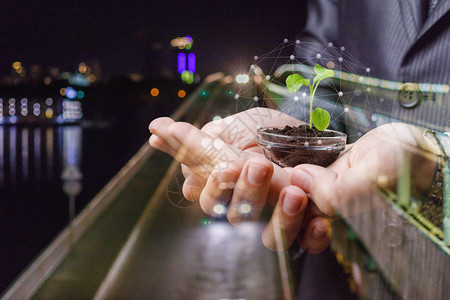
[37,151]
[12,153]
[29,154]
[2,156]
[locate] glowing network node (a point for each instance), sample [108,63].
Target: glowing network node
[285,40]
[236,96]
[245,208]
[218,144]
[206,142]
[381,100]
[368,89]
[306,144]
[343,48]
[319,142]
[340,59]
[295,98]
[297,42]
[318,55]
[242,78]
[255,98]
[255,57]
[368,70]
[304,95]
[340,94]
[268,77]
[330,44]
[219,209]
[292,57]
[361,79]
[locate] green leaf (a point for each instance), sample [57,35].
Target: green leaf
[322,73]
[320,118]
[295,81]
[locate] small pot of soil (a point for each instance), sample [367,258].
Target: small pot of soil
[290,146]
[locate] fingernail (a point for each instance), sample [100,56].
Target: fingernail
[170,129]
[318,232]
[151,128]
[291,204]
[305,178]
[256,173]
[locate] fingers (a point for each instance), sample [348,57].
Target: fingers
[200,152]
[286,220]
[163,139]
[251,190]
[330,190]
[317,235]
[193,186]
[218,191]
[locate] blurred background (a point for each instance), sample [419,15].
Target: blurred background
[81,80]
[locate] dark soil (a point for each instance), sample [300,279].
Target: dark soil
[291,155]
[300,131]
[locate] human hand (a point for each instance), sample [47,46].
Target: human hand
[239,131]
[242,182]
[374,161]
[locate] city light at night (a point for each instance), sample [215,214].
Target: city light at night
[154,92]
[181,93]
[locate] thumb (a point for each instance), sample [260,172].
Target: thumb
[332,191]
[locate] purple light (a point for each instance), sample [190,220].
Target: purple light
[191,62]
[181,62]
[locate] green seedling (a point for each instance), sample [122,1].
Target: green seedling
[320,117]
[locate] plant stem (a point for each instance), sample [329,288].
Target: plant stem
[312,90]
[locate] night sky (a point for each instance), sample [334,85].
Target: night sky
[63,33]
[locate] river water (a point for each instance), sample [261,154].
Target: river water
[36,165]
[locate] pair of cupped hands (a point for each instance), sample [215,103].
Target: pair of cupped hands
[226,171]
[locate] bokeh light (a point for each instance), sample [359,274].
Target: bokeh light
[181,93]
[80,94]
[70,93]
[154,92]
